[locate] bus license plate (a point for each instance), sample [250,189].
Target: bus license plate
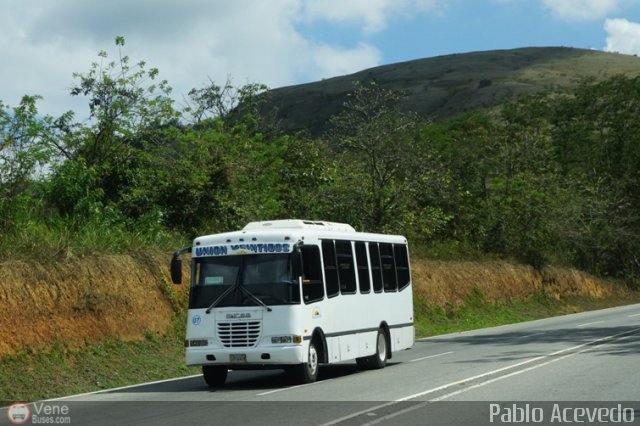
[238,358]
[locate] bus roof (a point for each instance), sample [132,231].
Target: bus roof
[299,224]
[292,231]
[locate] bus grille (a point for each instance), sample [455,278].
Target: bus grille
[239,334]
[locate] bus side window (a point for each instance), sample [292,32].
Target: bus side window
[363,267]
[376,271]
[312,286]
[346,270]
[330,268]
[388,267]
[402,265]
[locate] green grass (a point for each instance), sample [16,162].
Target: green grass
[477,313]
[30,376]
[61,238]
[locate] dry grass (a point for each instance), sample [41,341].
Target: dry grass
[449,284]
[89,299]
[84,300]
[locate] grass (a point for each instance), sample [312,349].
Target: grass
[62,238]
[31,376]
[478,313]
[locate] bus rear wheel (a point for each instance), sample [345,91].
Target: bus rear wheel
[379,359]
[214,375]
[307,372]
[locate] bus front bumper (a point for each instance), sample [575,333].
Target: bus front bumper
[245,357]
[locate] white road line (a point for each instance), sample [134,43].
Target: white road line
[509,367]
[528,335]
[515,373]
[297,386]
[589,323]
[396,414]
[288,388]
[430,356]
[358,413]
[469,379]
[634,315]
[116,389]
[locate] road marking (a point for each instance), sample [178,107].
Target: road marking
[119,389]
[634,315]
[358,413]
[430,356]
[509,367]
[515,373]
[396,414]
[469,379]
[288,388]
[528,335]
[589,323]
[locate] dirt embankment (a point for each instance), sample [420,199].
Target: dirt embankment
[79,300]
[105,296]
[449,284]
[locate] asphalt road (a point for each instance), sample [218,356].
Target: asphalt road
[582,367]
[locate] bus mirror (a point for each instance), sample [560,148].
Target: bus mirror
[176,270]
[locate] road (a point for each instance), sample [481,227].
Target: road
[556,370]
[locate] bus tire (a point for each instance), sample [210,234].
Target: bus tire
[363,363]
[379,360]
[307,372]
[214,375]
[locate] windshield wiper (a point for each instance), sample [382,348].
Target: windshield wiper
[224,294]
[255,298]
[219,299]
[235,286]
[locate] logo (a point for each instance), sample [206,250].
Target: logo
[196,320]
[18,413]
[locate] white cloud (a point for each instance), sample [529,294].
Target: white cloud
[623,36]
[189,41]
[582,10]
[331,61]
[372,14]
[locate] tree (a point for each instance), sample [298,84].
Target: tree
[25,149]
[384,166]
[129,110]
[232,105]
[123,100]
[598,135]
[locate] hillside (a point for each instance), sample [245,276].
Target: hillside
[443,86]
[78,301]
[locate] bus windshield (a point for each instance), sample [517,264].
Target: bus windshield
[268,277]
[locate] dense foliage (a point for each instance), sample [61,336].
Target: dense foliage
[548,178]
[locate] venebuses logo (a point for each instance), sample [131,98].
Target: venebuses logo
[18,413]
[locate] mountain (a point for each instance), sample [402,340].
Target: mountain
[444,86]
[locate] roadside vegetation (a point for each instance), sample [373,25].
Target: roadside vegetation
[550,178]
[546,179]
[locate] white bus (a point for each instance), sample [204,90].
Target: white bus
[295,294]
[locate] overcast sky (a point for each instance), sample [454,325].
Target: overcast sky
[281,42]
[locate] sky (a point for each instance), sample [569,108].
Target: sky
[279,42]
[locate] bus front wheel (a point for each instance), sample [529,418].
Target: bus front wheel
[214,375]
[307,372]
